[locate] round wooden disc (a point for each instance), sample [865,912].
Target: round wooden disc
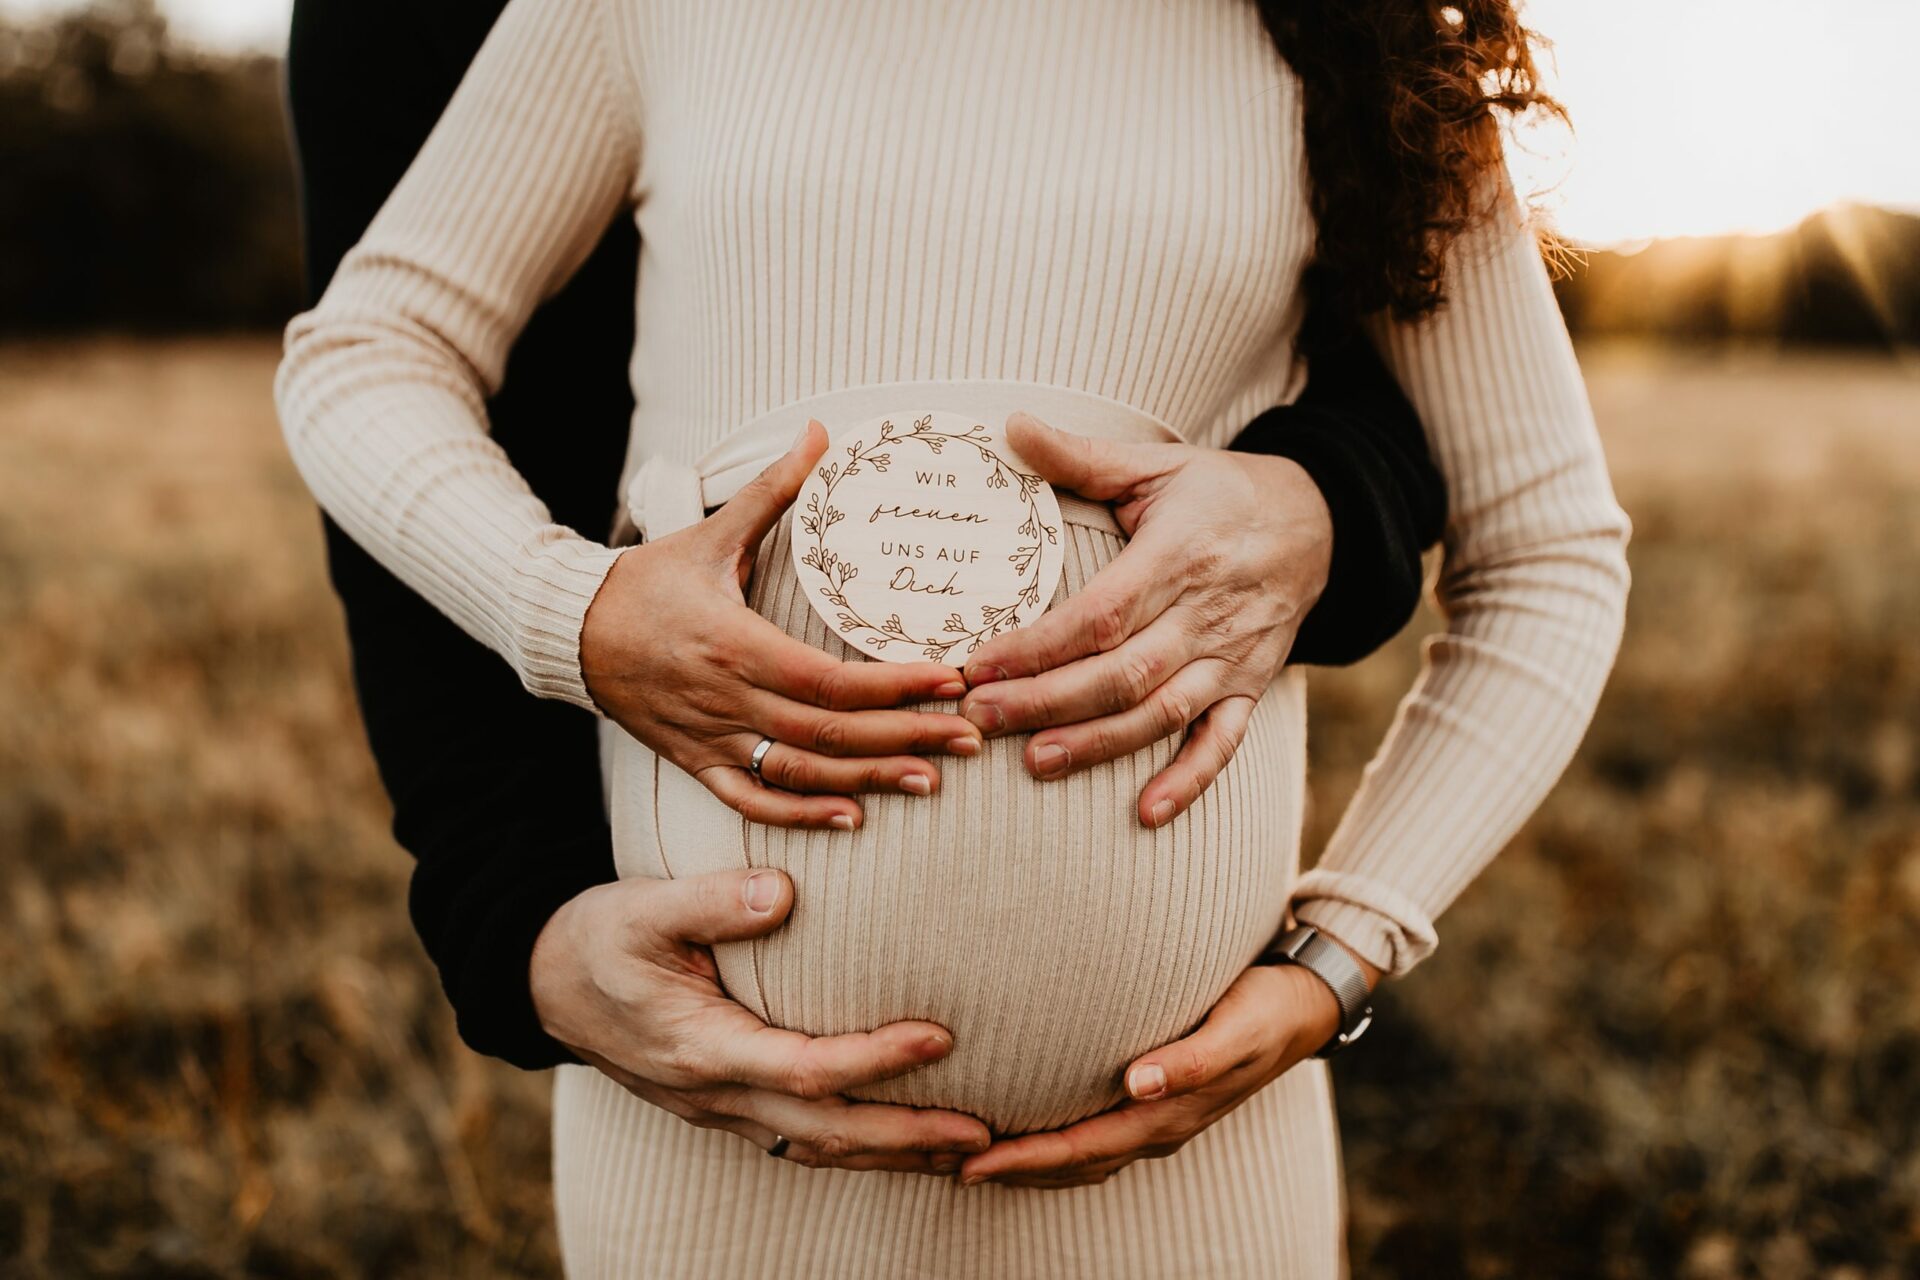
[922,535]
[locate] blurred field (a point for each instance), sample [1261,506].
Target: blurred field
[221,1053]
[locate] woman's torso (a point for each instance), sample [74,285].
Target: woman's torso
[1056,936]
[1106,195]
[1099,195]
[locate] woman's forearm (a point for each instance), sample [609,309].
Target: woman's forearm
[382,393]
[1533,589]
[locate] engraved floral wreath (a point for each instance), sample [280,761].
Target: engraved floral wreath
[821,515]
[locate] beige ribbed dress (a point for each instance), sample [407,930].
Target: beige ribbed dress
[1101,196]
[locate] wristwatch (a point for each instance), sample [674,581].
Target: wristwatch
[1328,961]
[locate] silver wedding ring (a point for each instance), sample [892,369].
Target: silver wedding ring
[779,1147]
[753,766]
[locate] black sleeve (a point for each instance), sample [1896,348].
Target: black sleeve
[1354,432]
[495,792]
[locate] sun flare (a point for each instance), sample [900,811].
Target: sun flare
[1704,117]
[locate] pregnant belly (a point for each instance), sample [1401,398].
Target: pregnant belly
[1039,922]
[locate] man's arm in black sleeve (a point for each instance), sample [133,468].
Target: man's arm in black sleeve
[1354,432]
[494,792]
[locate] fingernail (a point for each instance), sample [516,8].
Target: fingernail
[936,1043]
[985,674]
[760,892]
[964,746]
[1162,811]
[989,717]
[844,821]
[1147,1082]
[918,783]
[947,1164]
[1051,760]
[802,437]
[951,689]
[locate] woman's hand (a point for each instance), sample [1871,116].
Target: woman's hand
[622,975]
[1271,1018]
[671,652]
[1186,627]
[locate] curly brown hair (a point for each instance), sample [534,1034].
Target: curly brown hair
[1403,144]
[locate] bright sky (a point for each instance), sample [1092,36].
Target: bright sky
[1697,117]
[1693,117]
[258,24]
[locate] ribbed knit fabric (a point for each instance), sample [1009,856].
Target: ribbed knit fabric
[1051,932]
[1098,194]
[641,1193]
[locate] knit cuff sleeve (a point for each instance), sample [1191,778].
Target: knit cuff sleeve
[555,590]
[1381,924]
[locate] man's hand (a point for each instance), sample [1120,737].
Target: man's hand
[1272,1017]
[1185,628]
[671,652]
[622,975]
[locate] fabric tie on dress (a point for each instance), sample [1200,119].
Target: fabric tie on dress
[664,495]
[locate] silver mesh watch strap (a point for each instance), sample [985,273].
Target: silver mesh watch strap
[1328,961]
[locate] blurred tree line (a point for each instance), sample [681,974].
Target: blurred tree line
[1847,276]
[148,186]
[143,185]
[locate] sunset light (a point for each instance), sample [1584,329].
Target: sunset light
[1702,117]
[1095,537]
[1691,117]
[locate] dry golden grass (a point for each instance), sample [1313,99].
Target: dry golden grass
[221,1053]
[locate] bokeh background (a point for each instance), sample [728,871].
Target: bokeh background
[1675,1031]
